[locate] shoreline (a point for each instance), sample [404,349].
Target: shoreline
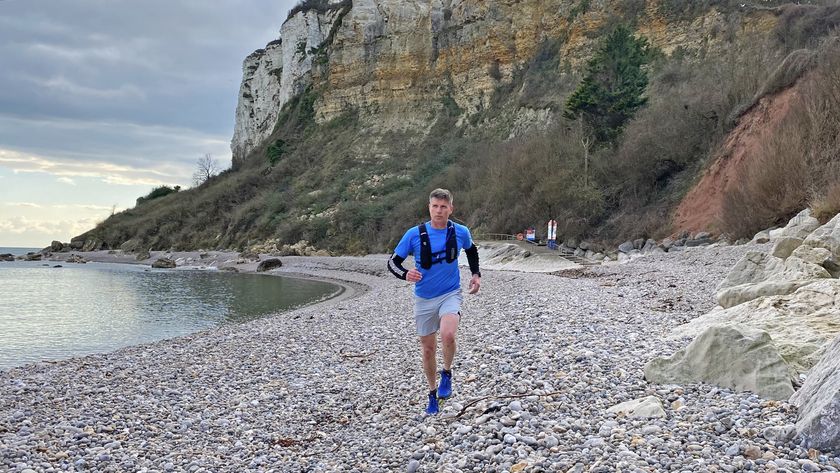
[339,386]
[345,290]
[227,260]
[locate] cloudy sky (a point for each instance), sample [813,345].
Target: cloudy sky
[102,100]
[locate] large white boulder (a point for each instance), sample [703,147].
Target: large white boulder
[646,407]
[798,227]
[758,274]
[801,324]
[818,400]
[736,357]
[819,256]
[746,292]
[753,267]
[826,236]
[784,246]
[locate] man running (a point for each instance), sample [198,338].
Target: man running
[437,294]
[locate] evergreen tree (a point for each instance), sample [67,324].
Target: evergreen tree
[613,87]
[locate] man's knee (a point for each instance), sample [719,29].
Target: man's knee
[428,342]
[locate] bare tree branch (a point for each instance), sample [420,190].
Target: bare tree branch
[207,167]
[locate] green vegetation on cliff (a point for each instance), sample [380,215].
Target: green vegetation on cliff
[613,88]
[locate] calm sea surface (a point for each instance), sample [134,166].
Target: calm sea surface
[49,313]
[17,251]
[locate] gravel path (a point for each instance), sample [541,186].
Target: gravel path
[338,386]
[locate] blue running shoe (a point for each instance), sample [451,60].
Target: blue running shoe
[444,390]
[432,408]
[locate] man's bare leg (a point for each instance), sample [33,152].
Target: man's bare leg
[428,343]
[448,330]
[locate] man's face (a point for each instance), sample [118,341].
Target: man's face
[439,210]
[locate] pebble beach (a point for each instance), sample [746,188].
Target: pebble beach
[338,386]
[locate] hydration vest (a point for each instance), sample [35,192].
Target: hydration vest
[426,246]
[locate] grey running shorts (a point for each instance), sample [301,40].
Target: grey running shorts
[427,312]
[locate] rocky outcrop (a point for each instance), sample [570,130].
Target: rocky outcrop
[278,248]
[271,76]
[75,259]
[818,400]
[269,264]
[734,296]
[94,245]
[163,263]
[802,254]
[827,237]
[794,299]
[630,250]
[81,243]
[799,227]
[260,98]
[801,324]
[7,257]
[131,246]
[736,357]
[398,63]
[819,256]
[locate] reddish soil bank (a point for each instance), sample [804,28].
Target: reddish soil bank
[701,207]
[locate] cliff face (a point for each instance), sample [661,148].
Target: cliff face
[398,63]
[271,76]
[361,107]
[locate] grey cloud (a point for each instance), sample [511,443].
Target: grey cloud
[150,62]
[146,86]
[74,147]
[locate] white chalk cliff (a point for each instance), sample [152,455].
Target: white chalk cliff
[399,63]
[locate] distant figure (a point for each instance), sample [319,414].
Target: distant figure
[437,294]
[552,234]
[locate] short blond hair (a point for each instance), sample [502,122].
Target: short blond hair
[442,194]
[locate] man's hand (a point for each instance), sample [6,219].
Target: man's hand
[413,275]
[475,283]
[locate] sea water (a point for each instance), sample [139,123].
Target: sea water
[50,313]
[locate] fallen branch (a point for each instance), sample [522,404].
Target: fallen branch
[291,442]
[356,355]
[507,396]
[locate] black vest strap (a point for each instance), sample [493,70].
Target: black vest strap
[426,246]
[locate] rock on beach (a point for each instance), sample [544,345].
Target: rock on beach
[338,386]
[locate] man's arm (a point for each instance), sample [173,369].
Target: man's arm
[403,249]
[396,268]
[472,259]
